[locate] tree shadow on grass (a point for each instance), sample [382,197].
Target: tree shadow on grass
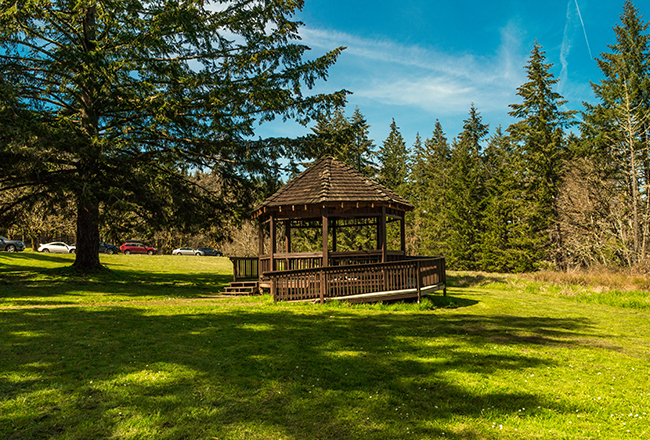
[304,373]
[29,283]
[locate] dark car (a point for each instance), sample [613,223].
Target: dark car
[209,252]
[107,248]
[136,248]
[11,245]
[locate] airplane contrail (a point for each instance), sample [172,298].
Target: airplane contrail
[584,29]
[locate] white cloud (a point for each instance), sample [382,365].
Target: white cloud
[396,74]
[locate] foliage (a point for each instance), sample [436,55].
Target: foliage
[466,194]
[616,134]
[393,159]
[541,146]
[111,104]
[344,138]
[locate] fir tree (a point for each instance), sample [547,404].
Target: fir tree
[111,103]
[466,194]
[617,129]
[428,193]
[393,162]
[541,145]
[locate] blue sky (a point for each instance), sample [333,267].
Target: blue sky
[418,61]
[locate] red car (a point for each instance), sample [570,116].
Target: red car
[137,248]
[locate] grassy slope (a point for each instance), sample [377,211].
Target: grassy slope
[494,362]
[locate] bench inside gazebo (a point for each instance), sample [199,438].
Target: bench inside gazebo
[325,236]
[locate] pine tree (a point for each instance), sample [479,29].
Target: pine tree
[393,162]
[466,195]
[428,193]
[617,129]
[344,138]
[540,143]
[113,102]
[362,148]
[501,239]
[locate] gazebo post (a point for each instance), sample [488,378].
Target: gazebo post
[325,237]
[287,243]
[382,227]
[273,242]
[402,226]
[333,235]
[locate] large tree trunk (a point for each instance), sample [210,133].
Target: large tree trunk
[87,236]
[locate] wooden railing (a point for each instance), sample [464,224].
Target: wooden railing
[245,268]
[339,282]
[309,260]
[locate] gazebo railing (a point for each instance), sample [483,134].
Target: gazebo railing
[245,268]
[341,282]
[309,260]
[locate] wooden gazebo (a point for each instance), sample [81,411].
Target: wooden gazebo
[331,198]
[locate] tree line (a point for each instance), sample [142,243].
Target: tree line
[125,119]
[556,189]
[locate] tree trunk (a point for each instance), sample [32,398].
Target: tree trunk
[87,258]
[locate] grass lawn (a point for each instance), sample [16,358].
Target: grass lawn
[135,353]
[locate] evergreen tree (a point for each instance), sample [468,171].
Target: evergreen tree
[541,145]
[617,129]
[501,240]
[344,138]
[113,102]
[393,162]
[362,148]
[466,194]
[428,193]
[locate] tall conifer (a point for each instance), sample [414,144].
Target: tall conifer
[541,145]
[466,194]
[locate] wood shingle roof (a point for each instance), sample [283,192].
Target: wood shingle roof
[329,180]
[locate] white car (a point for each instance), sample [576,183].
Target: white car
[57,247]
[186,251]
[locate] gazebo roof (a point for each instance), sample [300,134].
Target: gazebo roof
[329,181]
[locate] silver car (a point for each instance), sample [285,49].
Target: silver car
[186,251]
[57,247]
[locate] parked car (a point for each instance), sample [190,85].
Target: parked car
[136,248]
[57,247]
[11,245]
[107,248]
[209,252]
[186,251]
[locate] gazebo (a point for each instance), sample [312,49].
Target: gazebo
[330,199]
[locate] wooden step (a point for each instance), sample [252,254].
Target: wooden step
[242,288]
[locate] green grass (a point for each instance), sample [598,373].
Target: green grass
[45,279]
[490,361]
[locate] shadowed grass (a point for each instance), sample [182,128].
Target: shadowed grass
[490,361]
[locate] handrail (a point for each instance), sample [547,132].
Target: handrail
[321,283]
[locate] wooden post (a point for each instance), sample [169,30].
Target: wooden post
[274,289]
[260,238]
[402,227]
[418,276]
[333,235]
[384,245]
[273,242]
[287,243]
[325,238]
[323,286]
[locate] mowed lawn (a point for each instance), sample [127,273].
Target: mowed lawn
[148,351]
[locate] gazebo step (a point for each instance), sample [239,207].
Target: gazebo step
[242,288]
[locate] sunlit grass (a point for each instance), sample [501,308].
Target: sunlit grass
[496,359]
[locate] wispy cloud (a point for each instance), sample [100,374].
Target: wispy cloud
[584,30]
[396,74]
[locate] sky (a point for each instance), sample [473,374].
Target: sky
[416,61]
